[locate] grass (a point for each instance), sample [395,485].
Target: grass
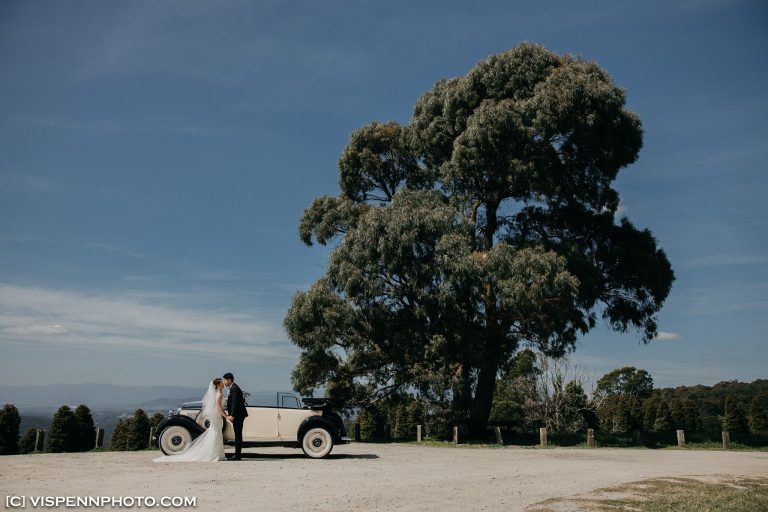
[712,445]
[653,440]
[553,444]
[670,495]
[448,444]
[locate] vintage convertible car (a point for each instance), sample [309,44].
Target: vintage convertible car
[280,420]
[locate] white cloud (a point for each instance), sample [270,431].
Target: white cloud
[35,329]
[32,316]
[667,336]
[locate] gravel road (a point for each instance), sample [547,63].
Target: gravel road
[366,476]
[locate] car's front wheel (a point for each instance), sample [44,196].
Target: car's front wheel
[317,443]
[174,439]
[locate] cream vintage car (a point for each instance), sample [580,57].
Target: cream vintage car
[282,419]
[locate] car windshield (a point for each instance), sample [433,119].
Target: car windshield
[289,401]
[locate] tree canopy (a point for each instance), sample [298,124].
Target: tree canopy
[625,381]
[85,440]
[28,440]
[137,434]
[63,434]
[485,224]
[9,429]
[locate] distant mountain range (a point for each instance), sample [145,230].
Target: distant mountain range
[166,403]
[36,397]
[97,395]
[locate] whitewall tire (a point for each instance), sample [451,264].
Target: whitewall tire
[317,443]
[174,439]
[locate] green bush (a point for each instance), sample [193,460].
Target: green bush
[439,428]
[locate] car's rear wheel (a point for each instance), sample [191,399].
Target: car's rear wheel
[317,443]
[174,439]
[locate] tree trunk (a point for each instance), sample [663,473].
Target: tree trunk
[486,379]
[491,224]
[481,405]
[462,392]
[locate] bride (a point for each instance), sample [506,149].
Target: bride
[208,446]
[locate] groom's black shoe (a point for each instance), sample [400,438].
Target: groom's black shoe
[234,457]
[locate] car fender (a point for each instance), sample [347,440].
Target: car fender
[317,421]
[182,421]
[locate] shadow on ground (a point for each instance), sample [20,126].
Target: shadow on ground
[283,456]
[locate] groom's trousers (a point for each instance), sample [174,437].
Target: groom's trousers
[237,424]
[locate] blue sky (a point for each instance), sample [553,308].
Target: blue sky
[155,157]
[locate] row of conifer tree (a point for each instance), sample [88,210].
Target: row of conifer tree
[74,431]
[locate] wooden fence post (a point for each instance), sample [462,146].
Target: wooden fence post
[151,442]
[418,433]
[39,440]
[543,436]
[357,432]
[681,438]
[455,435]
[99,438]
[499,439]
[591,437]
[726,440]
[637,436]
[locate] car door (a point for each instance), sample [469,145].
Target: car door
[290,416]
[261,424]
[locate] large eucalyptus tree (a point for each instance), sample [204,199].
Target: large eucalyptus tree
[484,225]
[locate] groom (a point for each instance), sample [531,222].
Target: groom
[236,412]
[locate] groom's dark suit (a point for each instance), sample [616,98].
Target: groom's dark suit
[236,409]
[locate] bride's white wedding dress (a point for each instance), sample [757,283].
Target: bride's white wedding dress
[208,446]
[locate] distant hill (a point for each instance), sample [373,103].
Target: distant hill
[95,395]
[36,398]
[166,403]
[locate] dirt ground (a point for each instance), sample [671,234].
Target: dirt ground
[366,476]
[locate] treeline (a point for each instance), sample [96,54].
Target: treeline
[536,391]
[395,418]
[736,407]
[132,433]
[740,406]
[73,431]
